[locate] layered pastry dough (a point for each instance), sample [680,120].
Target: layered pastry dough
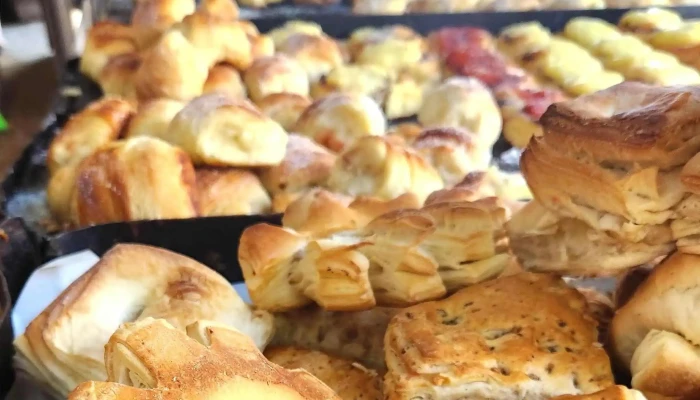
[65,345]
[318,54]
[654,333]
[215,129]
[538,344]
[104,41]
[280,34]
[151,18]
[117,77]
[284,108]
[350,380]
[231,192]
[153,118]
[98,124]
[275,74]
[374,166]
[339,119]
[151,359]
[224,78]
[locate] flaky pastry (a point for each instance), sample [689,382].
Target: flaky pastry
[280,34]
[117,77]
[318,54]
[275,74]
[104,41]
[224,78]
[151,18]
[611,393]
[284,108]
[153,118]
[230,191]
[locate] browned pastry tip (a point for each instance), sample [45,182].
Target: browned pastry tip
[153,118]
[230,191]
[117,77]
[99,123]
[284,108]
[317,54]
[275,74]
[224,78]
[319,211]
[105,40]
[151,18]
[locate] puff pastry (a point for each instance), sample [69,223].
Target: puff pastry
[275,74]
[368,80]
[100,123]
[153,118]
[280,34]
[218,40]
[540,344]
[339,119]
[151,18]
[151,360]
[218,130]
[104,41]
[231,192]
[284,108]
[116,79]
[66,342]
[318,54]
[224,78]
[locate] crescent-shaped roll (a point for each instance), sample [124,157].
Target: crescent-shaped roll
[275,74]
[317,54]
[226,10]
[141,178]
[231,192]
[305,165]
[224,78]
[284,108]
[66,341]
[218,130]
[153,118]
[280,34]
[117,77]
[374,166]
[392,47]
[612,393]
[218,40]
[98,124]
[368,80]
[463,103]
[151,359]
[339,119]
[151,18]
[105,40]
[655,333]
[172,68]
[60,193]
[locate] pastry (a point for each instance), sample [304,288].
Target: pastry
[100,123]
[60,194]
[339,119]
[636,3]
[141,178]
[463,103]
[391,48]
[218,40]
[373,166]
[357,336]
[305,165]
[218,130]
[576,5]
[151,18]
[230,192]
[317,54]
[381,7]
[103,41]
[153,118]
[404,97]
[350,380]
[611,393]
[453,152]
[275,74]
[539,344]
[523,39]
[645,22]
[151,359]
[280,34]
[284,108]
[590,32]
[224,78]
[66,342]
[653,334]
[258,3]
[368,80]
[117,77]
[686,224]
[172,68]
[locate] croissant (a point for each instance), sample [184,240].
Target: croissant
[117,77]
[218,40]
[275,74]
[224,78]
[153,118]
[318,54]
[231,192]
[218,130]
[151,18]
[280,34]
[284,108]
[104,41]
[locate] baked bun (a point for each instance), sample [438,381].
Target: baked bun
[151,18]
[374,166]
[391,47]
[463,103]
[284,108]
[224,78]
[141,178]
[151,359]
[356,336]
[218,40]
[153,118]
[218,130]
[644,22]
[576,5]
[66,342]
[615,156]
[453,152]
[305,165]
[100,123]
[173,68]
[339,119]
[280,34]
[275,74]
[226,10]
[542,342]
[546,242]
[117,77]
[230,192]
[350,380]
[368,80]
[317,54]
[60,194]
[105,40]
[611,393]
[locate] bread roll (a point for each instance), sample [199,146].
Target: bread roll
[339,119]
[644,22]
[391,48]
[117,77]
[104,41]
[275,74]
[463,103]
[218,40]
[280,34]
[224,78]
[151,18]
[368,80]
[218,130]
[284,108]
[98,124]
[172,68]
[141,178]
[66,342]
[226,10]
[542,342]
[317,54]
[230,192]
[210,361]
[373,166]
[60,194]
[153,118]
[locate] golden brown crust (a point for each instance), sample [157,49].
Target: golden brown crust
[351,381]
[543,339]
[224,78]
[151,18]
[97,125]
[230,192]
[284,108]
[318,54]
[223,9]
[153,118]
[611,393]
[105,40]
[117,76]
[275,74]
